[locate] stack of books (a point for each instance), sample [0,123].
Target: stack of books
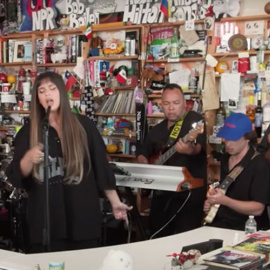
[250,254]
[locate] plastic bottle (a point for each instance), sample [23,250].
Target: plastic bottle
[251,225]
[149,108]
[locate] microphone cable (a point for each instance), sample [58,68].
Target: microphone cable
[173,217]
[129,227]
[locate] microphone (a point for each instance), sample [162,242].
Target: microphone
[46,118]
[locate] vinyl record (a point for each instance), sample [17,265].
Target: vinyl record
[237,42]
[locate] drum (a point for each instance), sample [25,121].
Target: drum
[12,211]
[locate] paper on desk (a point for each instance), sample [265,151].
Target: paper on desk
[180,77]
[229,86]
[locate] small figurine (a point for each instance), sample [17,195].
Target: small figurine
[185,260]
[96,42]
[64,21]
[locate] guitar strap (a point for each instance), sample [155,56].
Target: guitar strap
[175,131]
[229,179]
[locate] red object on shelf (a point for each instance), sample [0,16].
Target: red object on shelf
[21,79]
[243,65]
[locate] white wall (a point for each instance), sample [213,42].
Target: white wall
[252,7]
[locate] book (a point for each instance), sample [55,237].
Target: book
[258,242]
[234,259]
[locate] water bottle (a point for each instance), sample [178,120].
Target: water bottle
[251,225]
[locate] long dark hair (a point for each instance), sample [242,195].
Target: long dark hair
[72,135]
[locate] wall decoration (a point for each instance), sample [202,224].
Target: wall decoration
[254,28]
[228,8]
[18,55]
[237,42]
[149,11]
[44,15]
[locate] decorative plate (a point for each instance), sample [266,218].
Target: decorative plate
[237,42]
[257,42]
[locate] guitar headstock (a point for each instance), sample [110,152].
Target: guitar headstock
[197,129]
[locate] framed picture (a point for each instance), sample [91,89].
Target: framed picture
[235,66]
[19,50]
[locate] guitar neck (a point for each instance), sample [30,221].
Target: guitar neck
[164,157]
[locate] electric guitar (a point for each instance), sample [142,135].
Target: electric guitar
[223,186]
[197,128]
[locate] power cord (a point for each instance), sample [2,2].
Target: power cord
[174,216]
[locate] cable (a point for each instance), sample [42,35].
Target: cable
[129,227]
[173,217]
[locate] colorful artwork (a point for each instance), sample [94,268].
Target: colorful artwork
[44,14]
[37,11]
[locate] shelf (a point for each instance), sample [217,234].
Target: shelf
[158,115]
[123,88]
[186,94]
[114,114]
[24,35]
[183,59]
[117,136]
[226,54]
[123,155]
[219,75]
[213,164]
[166,24]
[6,127]
[17,64]
[113,57]
[14,112]
[246,18]
[57,65]
[116,26]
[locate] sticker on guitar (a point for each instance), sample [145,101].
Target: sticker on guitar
[197,129]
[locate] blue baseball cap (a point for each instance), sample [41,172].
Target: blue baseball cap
[235,126]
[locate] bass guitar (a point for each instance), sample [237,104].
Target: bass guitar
[197,128]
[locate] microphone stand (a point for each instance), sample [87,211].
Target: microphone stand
[46,229]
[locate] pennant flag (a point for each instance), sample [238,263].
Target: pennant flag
[70,80]
[88,31]
[165,8]
[121,76]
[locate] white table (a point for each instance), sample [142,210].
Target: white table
[147,255]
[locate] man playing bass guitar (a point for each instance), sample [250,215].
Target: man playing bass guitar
[173,133]
[245,186]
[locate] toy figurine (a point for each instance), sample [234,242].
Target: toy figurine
[117,260]
[96,42]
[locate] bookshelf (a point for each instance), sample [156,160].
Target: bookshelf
[119,106]
[12,62]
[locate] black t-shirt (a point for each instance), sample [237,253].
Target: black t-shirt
[264,145]
[251,185]
[74,209]
[158,136]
